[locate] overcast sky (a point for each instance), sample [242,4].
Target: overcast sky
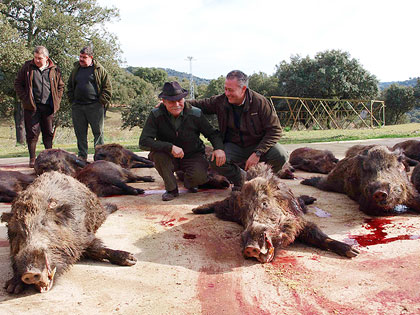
[255,36]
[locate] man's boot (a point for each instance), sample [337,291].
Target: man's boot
[32,153]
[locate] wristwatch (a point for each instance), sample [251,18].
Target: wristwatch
[258,153]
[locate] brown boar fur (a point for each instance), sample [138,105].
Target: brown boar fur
[313,160]
[12,182]
[376,178]
[119,155]
[411,149]
[52,224]
[106,179]
[271,216]
[360,148]
[58,160]
[415,177]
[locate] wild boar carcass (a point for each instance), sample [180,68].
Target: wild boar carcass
[106,179]
[271,216]
[376,178]
[51,226]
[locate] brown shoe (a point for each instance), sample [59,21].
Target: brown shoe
[170,195]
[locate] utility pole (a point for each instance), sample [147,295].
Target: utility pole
[191,78]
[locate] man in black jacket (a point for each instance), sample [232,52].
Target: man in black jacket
[172,134]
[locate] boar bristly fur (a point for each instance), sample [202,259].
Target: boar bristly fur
[51,226]
[58,160]
[375,177]
[117,154]
[271,216]
[12,182]
[107,178]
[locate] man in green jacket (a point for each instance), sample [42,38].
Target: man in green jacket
[40,88]
[89,90]
[172,134]
[249,126]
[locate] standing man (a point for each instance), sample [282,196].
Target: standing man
[40,88]
[89,91]
[172,134]
[249,126]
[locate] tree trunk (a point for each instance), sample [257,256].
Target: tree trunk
[19,123]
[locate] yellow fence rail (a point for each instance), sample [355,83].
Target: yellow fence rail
[314,113]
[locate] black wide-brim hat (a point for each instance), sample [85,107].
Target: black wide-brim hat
[172,91]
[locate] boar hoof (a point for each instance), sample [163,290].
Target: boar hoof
[122,258]
[148,178]
[352,252]
[140,191]
[14,286]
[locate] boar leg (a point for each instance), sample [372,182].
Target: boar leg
[15,285]
[123,186]
[312,235]
[131,177]
[97,251]
[141,161]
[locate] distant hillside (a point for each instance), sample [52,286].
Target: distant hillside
[409,82]
[182,75]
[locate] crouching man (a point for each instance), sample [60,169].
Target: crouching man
[172,134]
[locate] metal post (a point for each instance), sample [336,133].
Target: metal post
[190,58]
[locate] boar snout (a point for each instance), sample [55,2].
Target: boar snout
[380,196]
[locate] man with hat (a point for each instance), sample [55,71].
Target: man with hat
[172,134]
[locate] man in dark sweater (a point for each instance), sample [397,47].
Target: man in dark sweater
[89,91]
[40,87]
[172,134]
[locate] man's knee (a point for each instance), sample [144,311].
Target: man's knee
[276,156]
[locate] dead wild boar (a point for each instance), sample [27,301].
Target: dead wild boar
[411,149]
[51,226]
[376,178]
[313,160]
[12,182]
[271,216]
[119,155]
[106,179]
[58,160]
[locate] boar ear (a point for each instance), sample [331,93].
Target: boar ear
[6,216]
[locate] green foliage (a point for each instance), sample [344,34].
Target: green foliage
[331,74]
[127,87]
[136,113]
[398,100]
[155,76]
[263,84]
[215,87]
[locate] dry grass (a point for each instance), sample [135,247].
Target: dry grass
[65,138]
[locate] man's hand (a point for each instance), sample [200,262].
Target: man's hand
[220,157]
[252,160]
[177,152]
